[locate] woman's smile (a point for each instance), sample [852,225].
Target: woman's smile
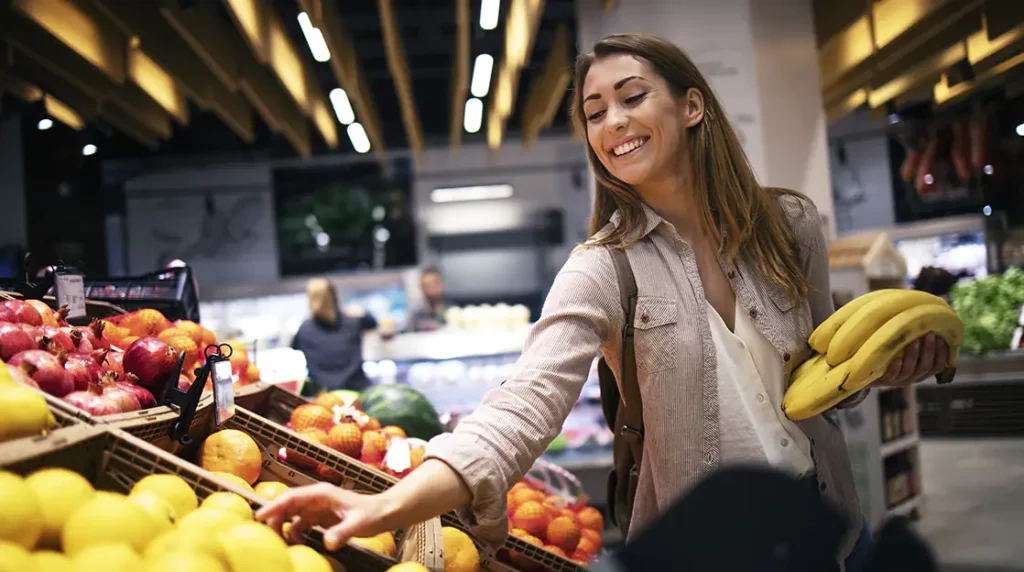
[629,148]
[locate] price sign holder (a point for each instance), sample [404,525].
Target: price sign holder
[218,369]
[69,286]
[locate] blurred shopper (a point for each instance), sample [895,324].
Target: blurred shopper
[332,340]
[732,279]
[937,281]
[430,314]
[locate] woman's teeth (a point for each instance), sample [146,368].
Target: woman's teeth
[629,146]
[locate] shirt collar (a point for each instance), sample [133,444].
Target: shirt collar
[651,220]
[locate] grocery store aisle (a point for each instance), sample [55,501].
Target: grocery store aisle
[974,511]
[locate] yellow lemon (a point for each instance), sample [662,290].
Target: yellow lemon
[186,541]
[371,543]
[235,480]
[229,502]
[50,561]
[459,551]
[254,546]
[184,562]
[60,492]
[305,559]
[23,412]
[210,519]
[21,519]
[107,558]
[388,542]
[408,567]
[109,519]
[14,557]
[156,506]
[270,489]
[173,489]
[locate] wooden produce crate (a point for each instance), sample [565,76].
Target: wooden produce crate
[264,403]
[153,425]
[114,460]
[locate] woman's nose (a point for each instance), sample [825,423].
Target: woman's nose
[617,119]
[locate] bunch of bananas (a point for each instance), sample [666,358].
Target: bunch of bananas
[855,346]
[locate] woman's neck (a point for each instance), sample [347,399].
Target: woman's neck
[673,201]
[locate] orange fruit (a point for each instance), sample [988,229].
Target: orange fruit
[587,546]
[526,495]
[171,333]
[375,445]
[416,456]
[346,438]
[183,343]
[553,511]
[270,489]
[556,550]
[235,480]
[312,416]
[590,518]
[394,431]
[372,425]
[329,400]
[567,512]
[209,338]
[531,517]
[252,373]
[239,355]
[231,451]
[592,537]
[194,330]
[146,322]
[582,557]
[564,533]
[460,554]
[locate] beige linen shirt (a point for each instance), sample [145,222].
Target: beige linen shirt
[493,447]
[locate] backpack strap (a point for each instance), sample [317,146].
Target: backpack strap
[631,400]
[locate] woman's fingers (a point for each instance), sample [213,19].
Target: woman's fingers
[336,536]
[299,525]
[926,359]
[941,356]
[910,359]
[892,373]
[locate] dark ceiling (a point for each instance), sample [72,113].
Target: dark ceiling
[427,29]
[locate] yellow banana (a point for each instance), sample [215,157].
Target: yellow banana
[814,367]
[823,334]
[866,321]
[811,395]
[874,357]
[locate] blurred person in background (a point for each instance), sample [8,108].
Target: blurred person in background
[732,277]
[937,281]
[429,315]
[332,341]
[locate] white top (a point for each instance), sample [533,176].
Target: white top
[752,427]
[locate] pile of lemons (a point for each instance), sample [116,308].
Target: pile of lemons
[54,519]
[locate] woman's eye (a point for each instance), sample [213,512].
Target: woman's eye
[595,115]
[636,98]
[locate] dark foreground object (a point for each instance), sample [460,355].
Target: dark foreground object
[764,521]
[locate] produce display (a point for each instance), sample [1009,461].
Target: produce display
[571,531]
[54,519]
[856,344]
[990,308]
[340,423]
[115,365]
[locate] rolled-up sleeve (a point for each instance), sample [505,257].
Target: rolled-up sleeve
[492,448]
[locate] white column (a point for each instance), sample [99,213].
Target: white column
[761,60]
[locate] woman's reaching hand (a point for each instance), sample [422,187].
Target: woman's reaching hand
[343,514]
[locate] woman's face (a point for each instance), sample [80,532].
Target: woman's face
[634,123]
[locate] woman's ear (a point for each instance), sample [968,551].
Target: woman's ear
[692,107]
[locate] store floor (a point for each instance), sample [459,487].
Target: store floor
[974,512]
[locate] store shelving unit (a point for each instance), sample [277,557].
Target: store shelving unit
[881,433]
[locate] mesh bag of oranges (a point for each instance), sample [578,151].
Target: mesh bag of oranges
[548,509]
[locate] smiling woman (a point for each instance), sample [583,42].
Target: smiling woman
[731,279]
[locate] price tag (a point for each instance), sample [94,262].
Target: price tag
[223,391]
[71,293]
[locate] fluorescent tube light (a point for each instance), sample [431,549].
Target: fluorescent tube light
[342,106]
[474,115]
[489,10]
[481,82]
[315,39]
[475,193]
[357,135]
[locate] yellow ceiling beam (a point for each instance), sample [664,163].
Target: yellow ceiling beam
[945,93]
[548,90]
[520,32]
[251,18]
[924,72]
[20,88]
[56,109]
[460,71]
[399,67]
[158,84]
[346,68]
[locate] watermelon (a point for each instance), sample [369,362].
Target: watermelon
[401,405]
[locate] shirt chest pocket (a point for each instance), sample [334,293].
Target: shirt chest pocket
[656,338]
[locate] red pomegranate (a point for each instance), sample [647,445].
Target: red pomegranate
[146,399]
[82,345]
[20,376]
[93,401]
[112,362]
[124,398]
[47,370]
[7,315]
[54,340]
[14,340]
[23,313]
[94,333]
[83,370]
[152,361]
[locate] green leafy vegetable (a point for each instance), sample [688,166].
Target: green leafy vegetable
[989,308]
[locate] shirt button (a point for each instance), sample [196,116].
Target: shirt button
[785,442]
[707,459]
[760,398]
[822,487]
[731,274]
[645,318]
[753,312]
[785,357]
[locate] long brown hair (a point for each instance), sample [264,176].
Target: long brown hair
[323,301]
[731,202]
